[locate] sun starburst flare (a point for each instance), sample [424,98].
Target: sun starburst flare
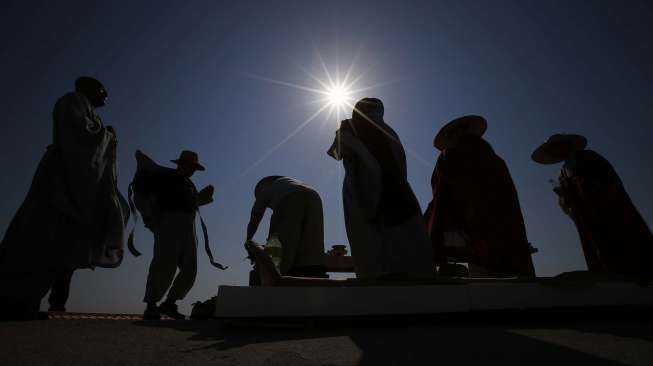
[336,96]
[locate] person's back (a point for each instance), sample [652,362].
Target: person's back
[593,168]
[270,195]
[475,196]
[484,193]
[297,221]
[615,237]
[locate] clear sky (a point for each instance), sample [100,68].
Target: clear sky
[180,76]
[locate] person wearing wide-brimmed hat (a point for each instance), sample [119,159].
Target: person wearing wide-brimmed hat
[614,236]
[73,216]
[176,201]
[475,215]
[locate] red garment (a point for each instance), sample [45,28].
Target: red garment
[473,193]
[614,236]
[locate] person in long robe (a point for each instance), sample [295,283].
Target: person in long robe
[614,236]
[475,216]
[73,216]
[297,220]
[382,215]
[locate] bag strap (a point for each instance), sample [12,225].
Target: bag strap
[207,247]
[132,208]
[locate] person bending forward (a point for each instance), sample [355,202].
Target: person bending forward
[298,221]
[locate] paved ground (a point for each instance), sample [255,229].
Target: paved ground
[615,338]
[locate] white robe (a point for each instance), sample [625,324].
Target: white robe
[377,249]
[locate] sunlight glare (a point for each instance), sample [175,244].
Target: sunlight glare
[338,95]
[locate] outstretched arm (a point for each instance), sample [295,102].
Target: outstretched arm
[254,221]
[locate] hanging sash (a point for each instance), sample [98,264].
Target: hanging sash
[136,253]
[132,208]
[207,247]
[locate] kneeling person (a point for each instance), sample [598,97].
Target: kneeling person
[298,221]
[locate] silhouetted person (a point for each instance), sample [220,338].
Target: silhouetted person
[73,215]
[172,220]
[614,236]
[475,215]
[382,216]
[297,219]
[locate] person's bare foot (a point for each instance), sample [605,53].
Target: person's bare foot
[266,270]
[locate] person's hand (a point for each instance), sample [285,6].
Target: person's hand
[209,189]
[205,196]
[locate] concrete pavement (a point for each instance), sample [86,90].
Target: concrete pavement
[621,338]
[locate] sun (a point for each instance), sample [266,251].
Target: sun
[336,92]
[338,96]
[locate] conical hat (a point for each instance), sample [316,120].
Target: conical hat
[558,147]
[474,125]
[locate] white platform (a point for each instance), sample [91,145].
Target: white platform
[286,302]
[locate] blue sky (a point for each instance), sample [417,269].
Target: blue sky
[179,76]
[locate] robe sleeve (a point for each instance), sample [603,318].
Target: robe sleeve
[74,129]
[400,154]
[85,150]
[364,171]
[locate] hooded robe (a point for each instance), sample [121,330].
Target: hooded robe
[474,195]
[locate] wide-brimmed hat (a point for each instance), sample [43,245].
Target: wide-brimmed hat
[189,157]
[473,125]
[558,147]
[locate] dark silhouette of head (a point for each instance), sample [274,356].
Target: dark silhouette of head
[368,108]
[263,183]
[92,89]
[188,163]
[185,170]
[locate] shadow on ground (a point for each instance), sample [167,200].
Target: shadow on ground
[598,337]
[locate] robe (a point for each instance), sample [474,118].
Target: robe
[474,196]
[73,215]
[614,236]
[381,242]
